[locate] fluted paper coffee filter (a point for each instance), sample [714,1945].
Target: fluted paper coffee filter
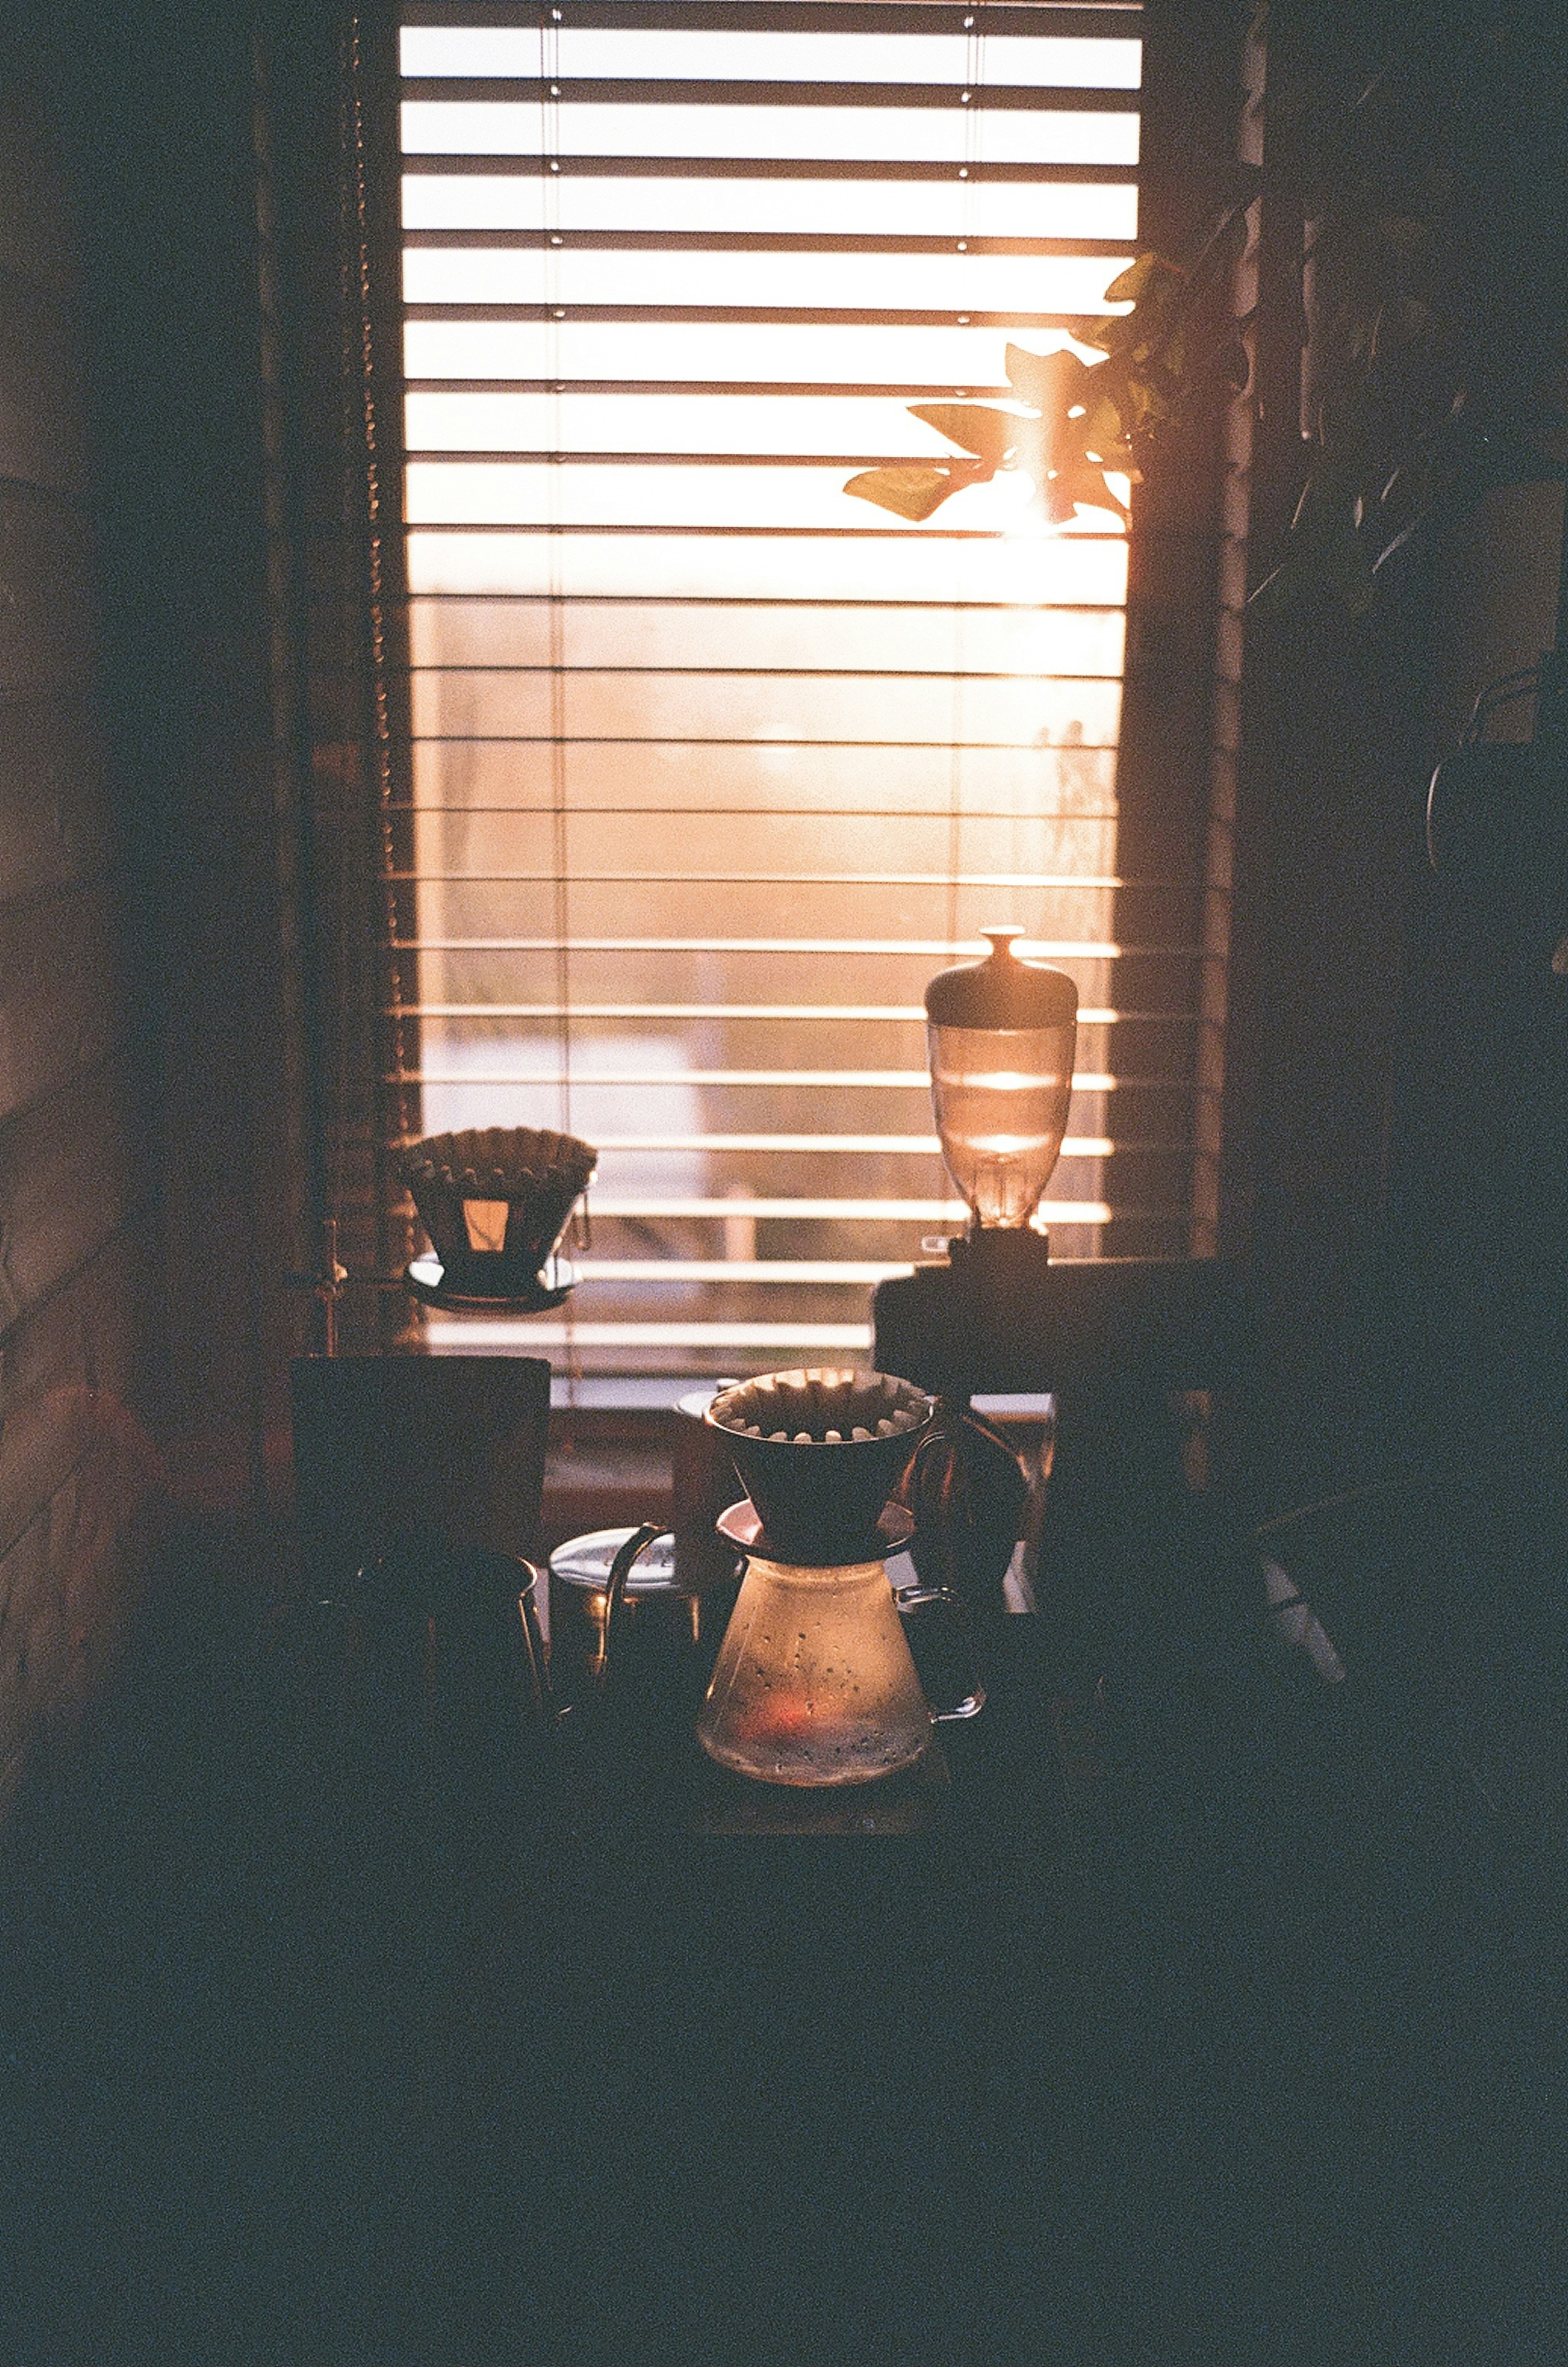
[823,1407]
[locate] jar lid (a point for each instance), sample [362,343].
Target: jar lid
[1003,991]
[585,1561]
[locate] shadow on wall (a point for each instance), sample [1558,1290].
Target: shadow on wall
[70,1575]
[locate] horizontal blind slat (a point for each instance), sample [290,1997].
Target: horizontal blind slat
[852,1079]
[580,204]
[866,565]
[660,427]
[722,494]
[938,132]
[779,55]
[590,96]
[771,638]
[695,171]
[1101,19]
[927,949]
[756,278]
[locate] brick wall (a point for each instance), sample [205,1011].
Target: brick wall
[76,1467]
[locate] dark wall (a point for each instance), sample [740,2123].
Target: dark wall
[79,1234]
[1398,1092]
[204,145]
[152,1125]
[170,91]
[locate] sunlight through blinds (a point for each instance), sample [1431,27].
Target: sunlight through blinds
[712,765]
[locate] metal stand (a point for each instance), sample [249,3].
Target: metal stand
[425,1280]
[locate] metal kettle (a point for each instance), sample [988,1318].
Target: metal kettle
[433,1651]
[635,1613]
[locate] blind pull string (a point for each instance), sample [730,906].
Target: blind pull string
[549,168]
[298,855]
[974,75]
[550,174]
[392,1110]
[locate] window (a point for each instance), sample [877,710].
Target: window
[712,763]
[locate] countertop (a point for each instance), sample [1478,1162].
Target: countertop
[1206,2031]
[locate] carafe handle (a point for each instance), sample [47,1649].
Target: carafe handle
[915,1597]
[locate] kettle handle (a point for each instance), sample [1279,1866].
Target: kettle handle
[616,1587]
[538,1670]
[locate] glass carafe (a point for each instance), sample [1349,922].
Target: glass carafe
[814,1682]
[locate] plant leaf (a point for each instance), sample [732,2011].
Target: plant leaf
[1067,456]
[1146,402]
[1103,422]
[978,426]
[1112,335]
[1050,381]
[1155,289]
[1079,479]
[913,492]
[1147,276]
[1104,440]
[1326,555]
[1406,533]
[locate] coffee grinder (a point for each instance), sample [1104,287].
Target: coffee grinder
[1122,1344]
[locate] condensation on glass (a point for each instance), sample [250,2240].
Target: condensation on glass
[815,1683]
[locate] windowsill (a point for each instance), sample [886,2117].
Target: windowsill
[608,1467]
[623,1392]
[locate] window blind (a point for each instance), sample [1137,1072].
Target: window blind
[710,764]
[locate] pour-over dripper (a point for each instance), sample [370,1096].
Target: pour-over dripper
[820,1454]
[495,1202]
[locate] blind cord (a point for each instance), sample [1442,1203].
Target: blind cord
[392,1108]
[974,76]
[549,171]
